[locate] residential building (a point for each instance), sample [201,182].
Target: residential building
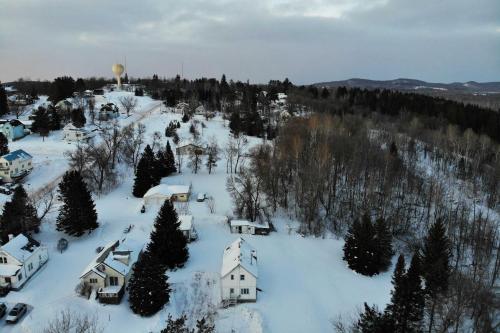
[15,165]
[108,274]
[187,227]
[158,194]
[13,129]
[188,146]
[20,258]
[249,227]
[71,133]
[239,273]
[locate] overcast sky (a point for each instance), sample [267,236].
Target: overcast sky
[305,40]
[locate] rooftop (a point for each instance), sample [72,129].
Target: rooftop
[20,247]
[17,154]
[239,253]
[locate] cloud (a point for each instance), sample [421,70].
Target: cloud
[306,40]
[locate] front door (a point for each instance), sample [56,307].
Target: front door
[239,229]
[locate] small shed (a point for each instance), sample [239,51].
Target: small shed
[249,227]
[187,227]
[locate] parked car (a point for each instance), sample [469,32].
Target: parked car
[3,309]
[16,313]
[201,197]
[5,190]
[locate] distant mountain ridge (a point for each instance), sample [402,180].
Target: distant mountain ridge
[416,85]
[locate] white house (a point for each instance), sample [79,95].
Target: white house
[15,165]
[187,146]
[109,272]
[71,133]
[187,227]
[239,273]
[181,107]
[158,194]
[20,258]
[248,227]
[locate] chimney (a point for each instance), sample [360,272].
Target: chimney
[11,237]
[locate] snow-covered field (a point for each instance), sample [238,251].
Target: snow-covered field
[304,281]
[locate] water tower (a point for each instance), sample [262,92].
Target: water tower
[118,71]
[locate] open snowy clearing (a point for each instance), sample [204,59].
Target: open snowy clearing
[304,281]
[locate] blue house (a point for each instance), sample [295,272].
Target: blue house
[12,129]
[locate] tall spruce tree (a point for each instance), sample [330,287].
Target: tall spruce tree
[384,244]
[146,174]
[19,215]
[77,215]
[78,117]
[4,105]
[170,159]
[405,310]
[161,163]
[372,321]
[41,122]
[168,244]
[148,287]
[360,249]
[55,119]
[435,265]
[4,145]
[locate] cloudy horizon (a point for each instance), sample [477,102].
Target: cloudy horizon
[306,41]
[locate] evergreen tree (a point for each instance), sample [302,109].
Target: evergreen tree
[202,326]
[78,117]
[176,326]
[407,302]
[168,244]
[146,174]
[148,287]
[372,321]
[235,124]
[360,249]
[4,145]
[61,88]
[384,244]
[55,119]
[41,122]
[435,266]
[170,159]
[19,215]
[161,163]
[77,214]
[4,105]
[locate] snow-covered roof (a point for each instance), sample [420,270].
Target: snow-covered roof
[237,223]
[166,190]
[17,154]
[189,142]
[186,222]
[71,127]
[19,248]
[113,255]
[239,253]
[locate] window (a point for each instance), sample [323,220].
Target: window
[242,277]
[232,277]
[231,290]
[113,281]
[93,280]
[30,266]
[20,276]
[245,291]
[3,260]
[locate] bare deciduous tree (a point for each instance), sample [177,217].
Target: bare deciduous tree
[68,321]
[129,103]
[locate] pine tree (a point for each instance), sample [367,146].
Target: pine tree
[169,155]
[168,244]
[435,265]
[19,215]
[78,117]
[55,119]
[372,321]
[77,214]
[176,326]
[148,287]
[360,249]
[407,302]
[146,174]
[384,244]
[4,105]
[161,163]
[41,122]
[4,145]
[202,326]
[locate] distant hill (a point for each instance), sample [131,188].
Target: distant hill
[471,87]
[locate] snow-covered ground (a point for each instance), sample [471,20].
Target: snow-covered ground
[304,281]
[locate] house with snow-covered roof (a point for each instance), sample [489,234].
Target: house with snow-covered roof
[187,227]
[20,258]
[71,133]
[239,273]
[15,165]
[186,147]
[249,227]
[108,273]
[158,194]
[13,129]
